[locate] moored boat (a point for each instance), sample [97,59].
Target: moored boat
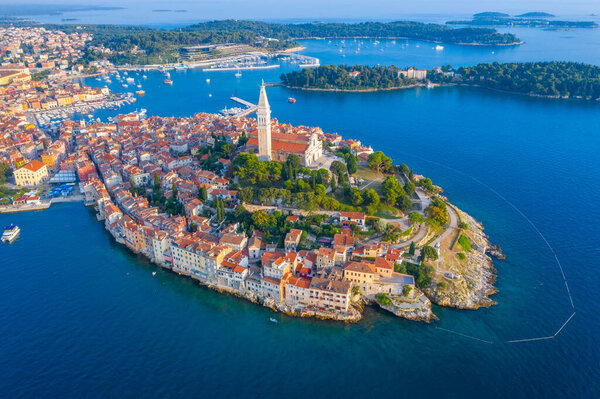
[168,82]
[291,100]
[11,233]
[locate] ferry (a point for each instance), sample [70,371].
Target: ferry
[10,233]
[291,100]
[168,82]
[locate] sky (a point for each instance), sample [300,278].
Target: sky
[338,9]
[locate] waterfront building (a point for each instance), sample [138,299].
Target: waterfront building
[413,73]
[31,174]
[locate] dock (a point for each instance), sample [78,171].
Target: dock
[250,108]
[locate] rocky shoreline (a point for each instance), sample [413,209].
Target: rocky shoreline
[474,284]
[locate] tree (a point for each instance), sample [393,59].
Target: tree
[261,219]
[351,164]
[412,249]
[437,212]
[338,168]
[427,185]
[246,194]
[371,200]
[203,194]
[293,162]
[409,188]
[243,138]
[156,181]
[379,161]
[356,196]
[428,252]
[404,203]
[391,189]
[333,185]
[415,217]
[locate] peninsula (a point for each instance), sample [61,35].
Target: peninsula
[301,221]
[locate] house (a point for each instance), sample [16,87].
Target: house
[327,294]
[255,247]
[236,242]
[292,239]
[325,258]
[353,218]
[31,174]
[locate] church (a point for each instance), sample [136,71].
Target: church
[277,145]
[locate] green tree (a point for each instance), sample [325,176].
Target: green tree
[391,189]
[379,161]
[428,252]
[415,218]
[351,164]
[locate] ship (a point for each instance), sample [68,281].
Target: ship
[10,233]
[168,82]
[291,100]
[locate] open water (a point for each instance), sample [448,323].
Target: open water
[81,316]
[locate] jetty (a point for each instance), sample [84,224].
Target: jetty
[249,108]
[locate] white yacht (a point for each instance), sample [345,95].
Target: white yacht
[11,233]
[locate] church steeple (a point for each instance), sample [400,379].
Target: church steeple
[263,117]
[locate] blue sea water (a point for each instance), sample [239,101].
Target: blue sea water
[81,316]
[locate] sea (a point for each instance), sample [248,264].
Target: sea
[81,316]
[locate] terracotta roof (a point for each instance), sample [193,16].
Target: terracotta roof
[34,165]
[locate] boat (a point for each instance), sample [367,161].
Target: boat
[207,80]
[168,82]
[154,273]
[291,100]
[125,85]
[272,320]
[144,77]
[11,233]
[130,80]
[439,48]
[238,74]
[140,92]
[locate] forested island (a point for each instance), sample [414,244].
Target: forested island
[547,79]
[398,29]
[528,19]
[348,78]
[142,45]
[544,79]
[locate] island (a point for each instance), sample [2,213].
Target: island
[529,19]
[538,79]
[351,78]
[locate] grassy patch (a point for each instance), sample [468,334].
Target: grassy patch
[461,256]
[407,232]
[465,243]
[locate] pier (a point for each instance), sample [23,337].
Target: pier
[249,108]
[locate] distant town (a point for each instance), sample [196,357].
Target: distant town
[299,220]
